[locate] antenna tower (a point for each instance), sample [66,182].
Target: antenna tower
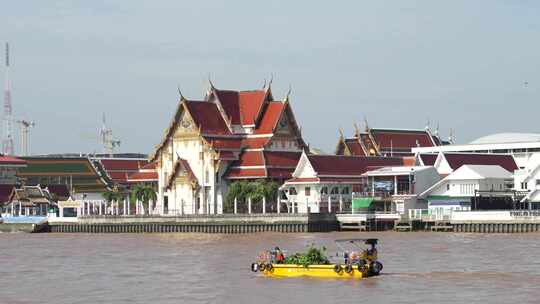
[7,141]
[106,137]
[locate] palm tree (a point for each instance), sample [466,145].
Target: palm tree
[113,196]
[145,194]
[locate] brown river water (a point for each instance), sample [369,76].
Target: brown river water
[200,268]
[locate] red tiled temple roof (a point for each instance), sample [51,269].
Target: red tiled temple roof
[149,166]
[250,158]
[428,159]
[337,165]
[398,139]
[456,160]
[242,107]
[122,164]
[354,146]
[218,116]
[138,177]
[10,160]
[233,173]
[255,142]
[224,143]
[227,155]
[282,159]
[118,176]
[271,117]
[207,117]
[251,103]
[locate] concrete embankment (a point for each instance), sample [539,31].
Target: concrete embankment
[518,227]
[23,227]
[227,224]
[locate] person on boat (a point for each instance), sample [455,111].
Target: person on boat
[371,253]
[279,256]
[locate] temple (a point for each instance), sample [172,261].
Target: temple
[386,142]
[227,136]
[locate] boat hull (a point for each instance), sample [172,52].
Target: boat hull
[318,271]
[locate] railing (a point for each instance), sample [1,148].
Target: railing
[429,215]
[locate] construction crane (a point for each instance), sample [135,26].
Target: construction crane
[25,129]
[107,139]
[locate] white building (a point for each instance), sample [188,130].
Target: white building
[460,189]
[400,186]
[525,149]
[228,136]
[325,183]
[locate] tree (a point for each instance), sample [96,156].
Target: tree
[112,195]
[244,190]
[145,194]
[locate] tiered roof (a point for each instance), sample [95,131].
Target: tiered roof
[339,168]
[81,172]
[119,170]
[385,142]
[456,160]
[147,173]
[10,161]
[238,126]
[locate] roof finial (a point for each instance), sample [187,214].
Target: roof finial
[288,94]
[356,130]
[341,133]
[271,79]
[451,137]
[210,81]
[264,85]
[437,130]
[366,125]
[182,98]
[428,124]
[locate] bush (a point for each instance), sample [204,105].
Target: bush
[313,256]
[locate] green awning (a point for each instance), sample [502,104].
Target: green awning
[359,203]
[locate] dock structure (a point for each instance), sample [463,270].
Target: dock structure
[220,224]
[373,221]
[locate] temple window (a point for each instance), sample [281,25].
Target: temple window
[335,190]
[324,190]
[292,191]
[307,191]
[345,190]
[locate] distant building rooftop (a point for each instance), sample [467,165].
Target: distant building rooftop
[501,138]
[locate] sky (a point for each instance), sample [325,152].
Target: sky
[470,66]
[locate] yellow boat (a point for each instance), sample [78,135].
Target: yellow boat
[355,266]
[318,271]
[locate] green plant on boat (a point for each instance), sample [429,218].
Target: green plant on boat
[313,256]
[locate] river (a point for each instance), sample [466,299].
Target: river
[419,267]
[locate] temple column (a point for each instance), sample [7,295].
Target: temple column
[278,202]
[235,206]
[329,204]
[341,203]
[264,205]
[249,205]
[395,185]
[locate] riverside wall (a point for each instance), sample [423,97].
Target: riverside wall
[225,224]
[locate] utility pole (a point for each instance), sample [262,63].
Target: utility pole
[25,129]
